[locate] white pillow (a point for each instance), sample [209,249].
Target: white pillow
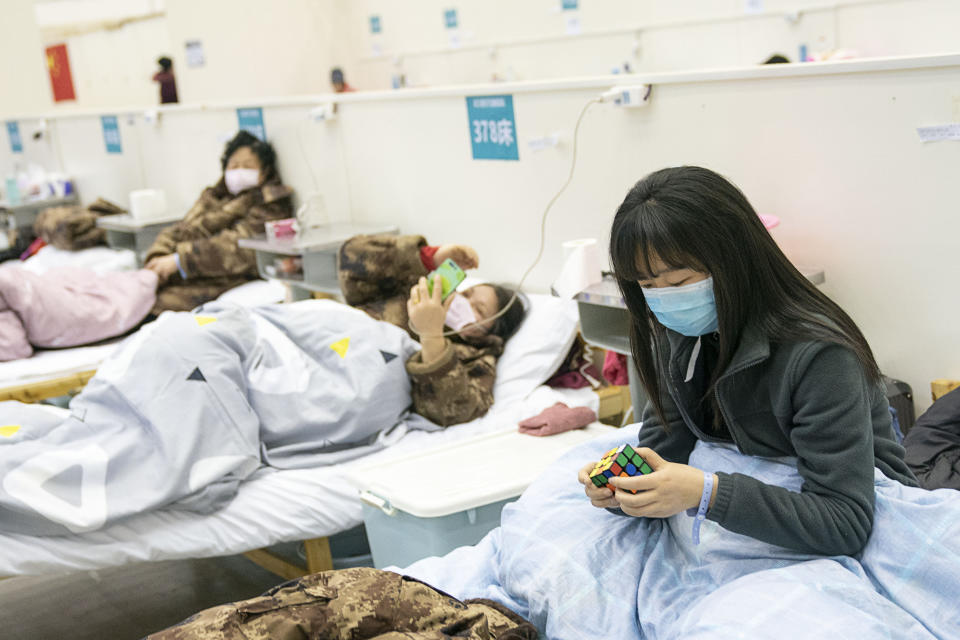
[537,349]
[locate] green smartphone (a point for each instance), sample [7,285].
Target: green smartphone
[452,275]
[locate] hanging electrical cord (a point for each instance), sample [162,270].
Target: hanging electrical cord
[543,223]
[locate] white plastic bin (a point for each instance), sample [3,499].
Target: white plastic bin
[430,503]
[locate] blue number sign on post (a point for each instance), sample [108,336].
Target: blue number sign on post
[13,132]
[374,24]
[569,5]
[251,119]
[493,129]
[111,134]
[450,18]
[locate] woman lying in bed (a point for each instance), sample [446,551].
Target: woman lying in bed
[197,259]
[452,376]
[193,403]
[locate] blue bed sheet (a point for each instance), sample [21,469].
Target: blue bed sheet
[580,572]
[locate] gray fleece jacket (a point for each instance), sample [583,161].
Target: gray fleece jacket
[808,399]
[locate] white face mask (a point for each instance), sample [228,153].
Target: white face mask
[238,180]
[460,313]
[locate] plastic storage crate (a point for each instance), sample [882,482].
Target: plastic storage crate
[430,503]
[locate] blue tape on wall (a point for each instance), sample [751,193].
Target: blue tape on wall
[13,133]
[111,134]
[450,18]
[251,119]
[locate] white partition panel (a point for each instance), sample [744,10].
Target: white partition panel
[832,149]
[835,156]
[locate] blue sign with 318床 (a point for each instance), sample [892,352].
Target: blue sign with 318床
[13,132]
[111,134]
[493,128]
[251,119]
[374,24]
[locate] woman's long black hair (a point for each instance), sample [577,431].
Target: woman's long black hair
[691,217]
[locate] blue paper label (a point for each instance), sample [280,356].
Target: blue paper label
[13,132]
[251,119]
[450,18]
[374,24]
[570,5]
[111,134]
[493,129]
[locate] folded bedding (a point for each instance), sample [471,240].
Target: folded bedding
[576,571]
[69,307]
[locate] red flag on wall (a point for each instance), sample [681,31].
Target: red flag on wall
[60,77]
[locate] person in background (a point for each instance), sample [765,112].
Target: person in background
[198,258]
[777,58]
[339,84]
[168,83]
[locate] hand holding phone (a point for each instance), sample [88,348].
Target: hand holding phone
[451,274]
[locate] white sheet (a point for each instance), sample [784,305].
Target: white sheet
[271,507]
[99,259]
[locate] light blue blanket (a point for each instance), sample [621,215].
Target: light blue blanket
[576,571]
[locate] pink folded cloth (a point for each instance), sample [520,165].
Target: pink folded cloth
[557,419]
[615,368]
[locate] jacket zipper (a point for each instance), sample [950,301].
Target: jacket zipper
[723,409]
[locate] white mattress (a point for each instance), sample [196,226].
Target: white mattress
[47,365]
[54,363]
[273,506]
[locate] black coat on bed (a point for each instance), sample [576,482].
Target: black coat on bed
[933,444]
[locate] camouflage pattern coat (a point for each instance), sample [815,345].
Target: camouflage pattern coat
[206,241]
[376,274]
[353,604]
[72,228]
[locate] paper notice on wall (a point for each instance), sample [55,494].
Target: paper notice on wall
[195,56]
[939,132]
[572,25]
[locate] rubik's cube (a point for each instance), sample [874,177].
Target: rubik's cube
[622,461]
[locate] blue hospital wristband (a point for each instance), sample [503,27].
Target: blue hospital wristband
[700,514]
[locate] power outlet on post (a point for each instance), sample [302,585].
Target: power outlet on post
[635,95]
[324,112]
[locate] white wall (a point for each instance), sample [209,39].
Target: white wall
[115,67]
[256,48]
[528,40]
[835,155]
[23,74]
[253,48]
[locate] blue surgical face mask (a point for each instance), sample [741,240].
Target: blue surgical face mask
[690,309]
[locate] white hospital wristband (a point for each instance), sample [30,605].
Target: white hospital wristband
[700,514]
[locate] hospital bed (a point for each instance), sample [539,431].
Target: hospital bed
[58,372]
[275,506]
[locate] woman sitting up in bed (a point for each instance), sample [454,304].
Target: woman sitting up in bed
[197,259]
[452,376]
